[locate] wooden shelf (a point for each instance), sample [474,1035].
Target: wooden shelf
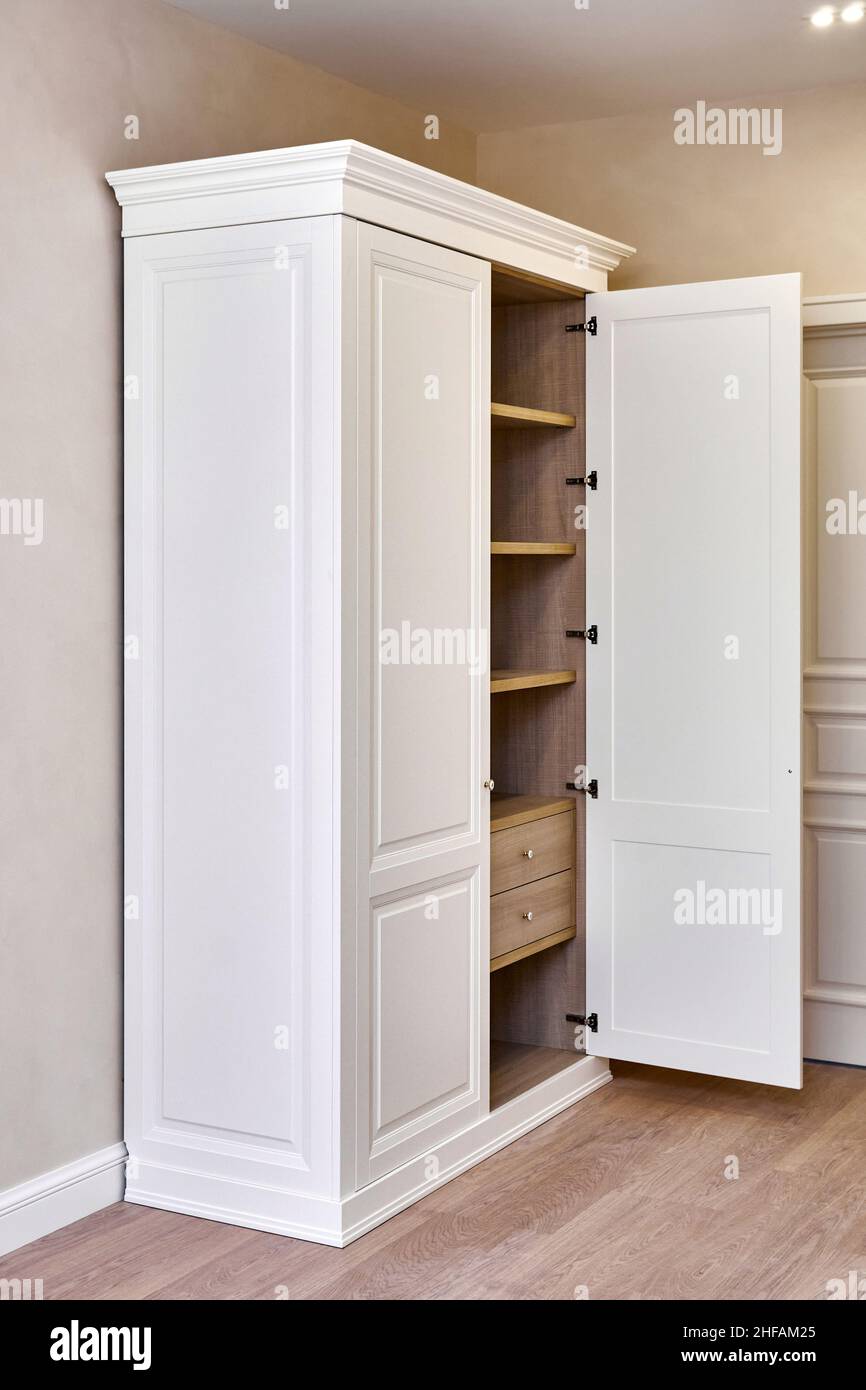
[501,681]
[532,548]
[532,948]
[508,810]
[518,417]
[517,1067]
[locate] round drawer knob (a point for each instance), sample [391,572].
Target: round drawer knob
[490,784]
[529,854]
[527,916]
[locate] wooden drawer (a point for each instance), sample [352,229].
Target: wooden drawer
[550,901]
[531,851]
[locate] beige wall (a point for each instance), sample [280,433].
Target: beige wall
[70,71]
[705,212]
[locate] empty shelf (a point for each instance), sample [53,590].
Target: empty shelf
[510,417]
[528,680]
[531,948]
[532,548]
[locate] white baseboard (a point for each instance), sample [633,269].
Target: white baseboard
[834,1032]
[267,1205]
[36,1208]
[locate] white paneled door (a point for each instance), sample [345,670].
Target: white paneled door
[693,690]
[423,541]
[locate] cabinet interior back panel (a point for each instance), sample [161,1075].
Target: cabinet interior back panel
[538,736]
[233,716]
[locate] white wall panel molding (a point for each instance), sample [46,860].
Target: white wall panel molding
[855,670]
[844,711]
[834,373]
[835,752]
[831,807]
[834,686]
[833,315]
[834,875]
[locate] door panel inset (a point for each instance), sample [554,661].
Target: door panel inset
[424,963]
[423,565]
[691,636]
[706,913]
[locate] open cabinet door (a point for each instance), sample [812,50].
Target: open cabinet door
[693,688]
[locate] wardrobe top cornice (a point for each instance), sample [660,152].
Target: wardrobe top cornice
[344,176]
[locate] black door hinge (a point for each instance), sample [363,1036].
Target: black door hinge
[591,788]
[590,481]
[591,327]
[591,633]
[589,1021]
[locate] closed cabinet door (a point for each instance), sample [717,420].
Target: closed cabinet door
[693,689]
[421,543]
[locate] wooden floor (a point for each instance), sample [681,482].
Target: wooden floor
[622,1196]
[517,1067]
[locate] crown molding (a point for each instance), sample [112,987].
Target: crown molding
[235,173]
[347,177]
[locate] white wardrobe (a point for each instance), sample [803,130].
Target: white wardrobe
[462,680]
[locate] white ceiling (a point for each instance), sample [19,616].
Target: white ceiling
[502,64]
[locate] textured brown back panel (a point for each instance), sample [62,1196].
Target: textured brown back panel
[538,737]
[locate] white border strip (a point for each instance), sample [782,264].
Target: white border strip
[41,1205]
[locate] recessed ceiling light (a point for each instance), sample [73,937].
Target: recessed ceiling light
[852,13]
[821,18]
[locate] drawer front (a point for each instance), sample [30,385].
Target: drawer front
[531,851]
[550,902]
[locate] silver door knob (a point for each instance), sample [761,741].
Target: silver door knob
[529,854]
[527,916]
[490,784]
